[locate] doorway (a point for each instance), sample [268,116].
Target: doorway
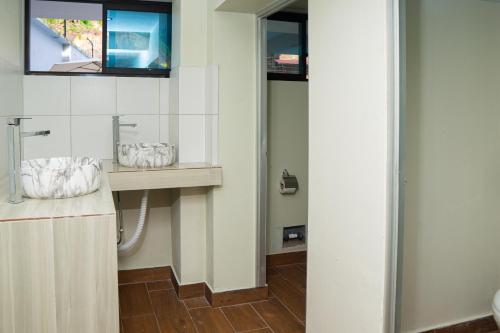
[283,139]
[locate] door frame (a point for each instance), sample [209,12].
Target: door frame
[396,172]
[261,79]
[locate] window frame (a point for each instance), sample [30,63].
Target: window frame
[302,20]
[132,5]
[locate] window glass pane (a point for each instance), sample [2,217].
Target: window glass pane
[65,37]
[138,39]
[283,47]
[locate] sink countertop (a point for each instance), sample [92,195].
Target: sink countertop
[97,203]
[110,166]
[174,176]
[115,177]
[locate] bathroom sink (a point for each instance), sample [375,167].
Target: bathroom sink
[61,177]
[146,155]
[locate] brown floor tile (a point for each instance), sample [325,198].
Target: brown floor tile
[481,325]
[278,317]
[144,275]
[134,300]
[295,275]
[264,330]
[288,295]
[161,273]
[243,317]
[196,302]
[134,276]
[160,285]
[142,324]
[271,271]
[171,313]
[210,320]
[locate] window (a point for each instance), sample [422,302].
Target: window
[98,36]
[287,47]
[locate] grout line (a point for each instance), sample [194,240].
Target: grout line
[152,308]
[288,309]
[256,329]
[190,316]
[227,319]
[144,281]
[197,307]
[258,314]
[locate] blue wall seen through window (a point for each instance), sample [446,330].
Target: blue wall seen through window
[140,40]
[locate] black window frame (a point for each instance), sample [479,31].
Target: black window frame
[132,5]
[302,20]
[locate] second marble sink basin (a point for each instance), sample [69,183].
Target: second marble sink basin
[146,155]
[61,177]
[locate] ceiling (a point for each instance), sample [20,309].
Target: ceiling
[256,6]
[298,6]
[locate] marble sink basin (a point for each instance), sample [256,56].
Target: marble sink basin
[146,155]
[61,177]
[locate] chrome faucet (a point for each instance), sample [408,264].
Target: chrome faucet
[15,147]
[116,135]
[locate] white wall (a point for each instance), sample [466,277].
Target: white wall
[348,159]
[245,6]
[287,149]
[10,70]
[45,50]
[452,220]
[233,220]
[228,41]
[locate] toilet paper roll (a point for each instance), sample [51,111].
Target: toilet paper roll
[288,185]
[288,190]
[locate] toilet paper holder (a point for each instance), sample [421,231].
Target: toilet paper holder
[289,183]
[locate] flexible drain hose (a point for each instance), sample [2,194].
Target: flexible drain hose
[130,244]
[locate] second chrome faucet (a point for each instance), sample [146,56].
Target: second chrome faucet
[116,135]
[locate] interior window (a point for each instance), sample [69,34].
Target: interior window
[133,38]
[287,46]
[65,37]
[283,47]
[138,40]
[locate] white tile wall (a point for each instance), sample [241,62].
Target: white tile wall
[212,139]
[138,95]
[78,112]
[147,130]
[192,138]
[165,128]
[57,144]
[192,90]
[164,96]
[212,90]
[173,133]
[46,95]
[174,91]
[92,95]
[92,136]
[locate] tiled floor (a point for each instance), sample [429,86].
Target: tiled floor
[153,307]
[482,325]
